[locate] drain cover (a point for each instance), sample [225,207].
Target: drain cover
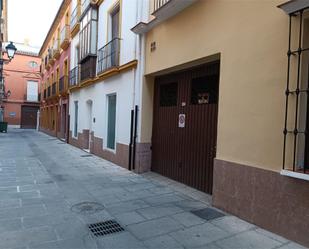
[208,213]
[105,228]
[87,208]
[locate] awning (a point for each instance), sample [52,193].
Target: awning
[294,6]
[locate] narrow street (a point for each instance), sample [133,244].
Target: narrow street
[50,192]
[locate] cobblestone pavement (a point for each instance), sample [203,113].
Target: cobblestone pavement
[50,192]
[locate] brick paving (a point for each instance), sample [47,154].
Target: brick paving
[50,193]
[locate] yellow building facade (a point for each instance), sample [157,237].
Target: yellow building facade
[220,67]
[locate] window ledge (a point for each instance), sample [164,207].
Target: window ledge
[295,174]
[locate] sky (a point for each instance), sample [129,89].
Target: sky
[31,20]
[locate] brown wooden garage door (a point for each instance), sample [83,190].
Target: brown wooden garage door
[29,117]
[185,125]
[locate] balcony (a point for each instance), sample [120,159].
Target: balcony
[48,92]
[47,66]
[54,89]
[56,49]
[65,37]
[162,10]
[63,84]
[108,56]
[74,77]
[88,68]
[50,57]
[75,25]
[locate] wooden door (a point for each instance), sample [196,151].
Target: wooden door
[29,117]
[185,125]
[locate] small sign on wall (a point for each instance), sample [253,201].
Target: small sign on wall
[182,121]
[12,114]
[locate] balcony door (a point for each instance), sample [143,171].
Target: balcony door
[114,35]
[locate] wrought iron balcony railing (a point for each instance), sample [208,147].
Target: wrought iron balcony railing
[108,56]
[56,49]
[65,37]
[158,4]
[74,76]
[63,84]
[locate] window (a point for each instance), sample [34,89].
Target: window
[32,91]
[115,22]
[88,34]
[204,90]
[296,122]
[75,117]
[111,122]
[33,64]
[168,94]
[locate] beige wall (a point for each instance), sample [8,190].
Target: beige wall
[252,39]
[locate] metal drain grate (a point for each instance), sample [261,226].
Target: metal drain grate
[86,156]
[105,228]
[208,213]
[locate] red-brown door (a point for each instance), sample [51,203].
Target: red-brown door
[185,125]
[29,117]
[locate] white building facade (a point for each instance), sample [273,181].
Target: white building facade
[106,75]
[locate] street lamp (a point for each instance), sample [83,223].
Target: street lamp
[11,49]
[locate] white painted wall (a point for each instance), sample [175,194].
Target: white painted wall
[119,84]
[126,86]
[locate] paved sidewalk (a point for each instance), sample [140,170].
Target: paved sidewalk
[50,192]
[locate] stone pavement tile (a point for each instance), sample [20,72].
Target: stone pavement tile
[232,224]
[272,235]
[188,219]
[47,245]
[100,216]
[81,242]
[28,236]
[162,199]
[119,240]
[209,246]
[46,220]
[123,207]
[10,213]
[159,211]
[33,211]
[163,241]
[129,218]
[292,245]
[11,203]
[199,235]
[189,205]
[249,239]
[10,225]
[161,190]
[72,228]
[152,228]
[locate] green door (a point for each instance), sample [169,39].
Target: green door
[111,122]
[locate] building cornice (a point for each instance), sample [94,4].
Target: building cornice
[61,11]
